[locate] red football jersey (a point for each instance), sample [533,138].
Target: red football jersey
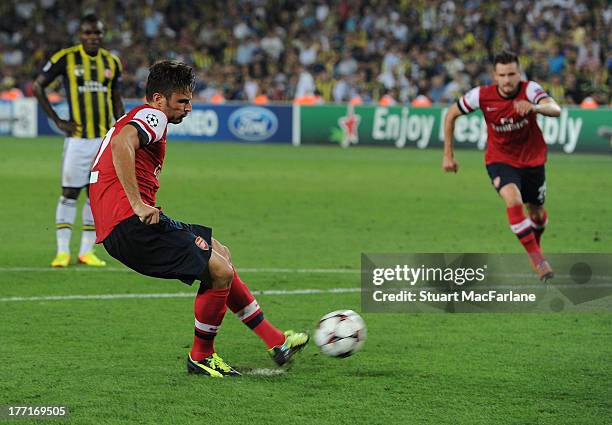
[512,139]
[109,203]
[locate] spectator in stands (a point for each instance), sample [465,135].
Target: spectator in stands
[556,62]
[437,88]
[573,94]
[348,65]
[306,83]
[324,85]
[272,44]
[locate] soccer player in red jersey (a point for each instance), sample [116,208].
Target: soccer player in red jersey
[123,184]
[516,151]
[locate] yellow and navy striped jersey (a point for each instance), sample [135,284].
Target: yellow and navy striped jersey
[89,82]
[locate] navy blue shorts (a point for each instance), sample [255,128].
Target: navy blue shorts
[530,181]
[169,249]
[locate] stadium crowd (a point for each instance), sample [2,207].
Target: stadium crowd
[332,51]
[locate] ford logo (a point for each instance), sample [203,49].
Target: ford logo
[253,123]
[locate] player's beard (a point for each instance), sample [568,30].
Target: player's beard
[91,48]
[509,90]
[177,120]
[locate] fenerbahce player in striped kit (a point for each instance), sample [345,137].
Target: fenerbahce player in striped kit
[516,151]
[123,184]
[91,78]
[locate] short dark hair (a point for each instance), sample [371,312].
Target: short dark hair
[167,77]
[505,58]
[90,18]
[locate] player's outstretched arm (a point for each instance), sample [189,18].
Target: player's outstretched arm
[449,163]
[123,147]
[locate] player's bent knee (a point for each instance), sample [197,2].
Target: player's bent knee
[221,249]
[513,202]
[511,195]
[228,254]
[222,279]
[221,271]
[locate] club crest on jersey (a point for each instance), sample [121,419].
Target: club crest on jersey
[152,120]
[79,71]
[108,73]
[201,243]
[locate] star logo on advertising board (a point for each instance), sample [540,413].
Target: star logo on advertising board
[350,126]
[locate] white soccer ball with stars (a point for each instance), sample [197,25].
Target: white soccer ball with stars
[340,333]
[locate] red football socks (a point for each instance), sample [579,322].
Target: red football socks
[539,225]
[521,226]
[245,307]
[210,307]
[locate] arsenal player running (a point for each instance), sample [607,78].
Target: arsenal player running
[516,151]
[123,184]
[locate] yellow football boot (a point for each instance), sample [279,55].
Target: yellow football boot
[90,259]
[212,365]
[62,259]
[294,342]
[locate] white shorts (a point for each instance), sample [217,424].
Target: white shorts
[77,160]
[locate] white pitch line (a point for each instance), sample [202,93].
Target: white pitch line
[80,269]
[275,270]
[173,295]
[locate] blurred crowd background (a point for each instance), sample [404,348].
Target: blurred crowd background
[336,51]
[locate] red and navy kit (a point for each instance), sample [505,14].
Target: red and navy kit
[109,203]
[512,139]
[169,249]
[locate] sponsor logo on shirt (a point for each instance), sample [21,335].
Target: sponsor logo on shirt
[92,86]
[508,124]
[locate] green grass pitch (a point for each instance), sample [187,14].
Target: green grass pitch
[122,361]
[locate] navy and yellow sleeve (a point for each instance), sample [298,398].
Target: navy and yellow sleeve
[54,67]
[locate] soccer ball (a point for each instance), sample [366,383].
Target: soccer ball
[340,333]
